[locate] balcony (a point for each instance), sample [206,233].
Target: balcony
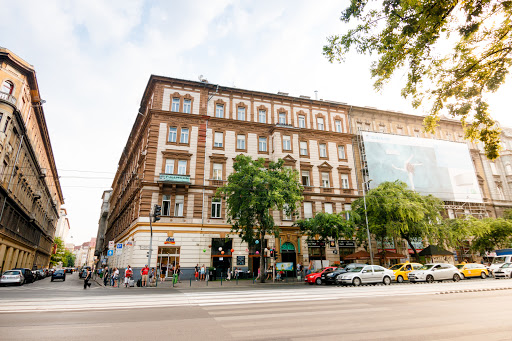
[309,188]
[327,190]
[217,182]
[8,98]
[174,179]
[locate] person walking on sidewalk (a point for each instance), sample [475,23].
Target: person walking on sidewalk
[128,274]
[144,273]
[116,277]
[163,270]
[87,278]
[203,273]
[105,276]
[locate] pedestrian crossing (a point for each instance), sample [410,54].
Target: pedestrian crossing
[220,298]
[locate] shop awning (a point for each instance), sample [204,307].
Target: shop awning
[434,250]
[389,255]
[357,255]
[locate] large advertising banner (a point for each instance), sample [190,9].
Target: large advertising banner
[441,168]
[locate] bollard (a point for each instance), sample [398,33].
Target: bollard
[221,279]
[190,280]
[236,280]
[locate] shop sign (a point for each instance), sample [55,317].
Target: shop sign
[316,243]
[111,244]
[170,240]
[110,253]
[240,260]
[332,243]
[346,243]
[173,178]
[144,247]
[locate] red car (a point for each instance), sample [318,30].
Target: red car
[315,276]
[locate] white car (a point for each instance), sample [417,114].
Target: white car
[12,277]
[435,272]
[366,274]
[504,271]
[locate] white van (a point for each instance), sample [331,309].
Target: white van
[499,261]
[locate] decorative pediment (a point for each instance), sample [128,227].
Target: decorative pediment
[344,169]
[176,154]
[218,157]
[325,165]
[305,165]
[288,158]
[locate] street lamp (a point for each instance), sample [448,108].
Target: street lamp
[366,217]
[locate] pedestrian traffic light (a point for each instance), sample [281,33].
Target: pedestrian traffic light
[275,254]
[271,253]
[157,212]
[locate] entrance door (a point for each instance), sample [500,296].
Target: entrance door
[288,255]
[168,257]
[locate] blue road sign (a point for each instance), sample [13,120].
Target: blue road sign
[119,245]
[110,253]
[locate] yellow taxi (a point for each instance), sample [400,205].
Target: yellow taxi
[401,270]
[472,270]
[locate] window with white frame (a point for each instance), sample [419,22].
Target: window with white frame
[286,216]
[217,171]
[345,184]
[241,113]
[182,167]
[287,143]
[282,118]
[240,142]
[305,178]
[187,106]
[262,116]
[320,123]
[166,205]
[218,139]
[173,131]
[179,202]
[338,126]
[262,144]
[341,152]
[175,104]
[303,148]
[169,166]
[302,121]
[323,149]
[216,207]
[308,209]
[7,87]
[184,135]
[219,110]
[325,180]
[328,207]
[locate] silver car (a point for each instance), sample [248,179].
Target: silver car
[504,271]
[435,272]
[366,274]
[12,277]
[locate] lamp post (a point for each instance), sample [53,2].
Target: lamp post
[366,217]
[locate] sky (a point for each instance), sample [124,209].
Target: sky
[93,59]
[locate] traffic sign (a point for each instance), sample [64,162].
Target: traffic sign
[119,245]
[119,252]
[110,253]
[111,244]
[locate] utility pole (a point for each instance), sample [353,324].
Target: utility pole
[156,217]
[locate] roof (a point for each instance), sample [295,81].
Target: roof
[434,250]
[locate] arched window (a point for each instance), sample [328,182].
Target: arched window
[7,87]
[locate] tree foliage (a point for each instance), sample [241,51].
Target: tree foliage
[497,236]
[454,233]
[60,249]
[455,53]
[253,192]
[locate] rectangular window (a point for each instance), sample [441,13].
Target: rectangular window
[262,116]
[400,131]
[182,167]
[178,205]
[175,104]
[286,216]
[382,129]
[328,207]
[303,148]
[494,170]
[344,181]
[184,135]
[262,144]
[187,106]
[216,207]
[302,121]
[282,118]
[241,113]
[308,210]
[341,152]
[240,142]
[305,178]
[218,140]
[320,123]
[347,209]
[325,180]
[338,126]
[173,131]
[287,143]
[166,205]
[169,166]
[219,111]
[323,149]
[217,171]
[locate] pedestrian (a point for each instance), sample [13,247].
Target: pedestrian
[116,277]
[163,270]
[178,272]
[228,276]
[152,277]
[259,274]
[144,273]
[105,276]
[87,278]
[196,274]
[269,272]
[128,273]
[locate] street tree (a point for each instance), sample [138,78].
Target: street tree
[69,259]
[498,236]
[394,211]
[253,191]
[325,226]
[58,251]
[455,233]
[454,52]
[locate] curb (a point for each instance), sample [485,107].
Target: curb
[470,290]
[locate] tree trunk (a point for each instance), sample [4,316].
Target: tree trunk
[321,256]
[262,258]
[416,255]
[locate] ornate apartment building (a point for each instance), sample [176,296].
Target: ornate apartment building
[181,149]
[30,192]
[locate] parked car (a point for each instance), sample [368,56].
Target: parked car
[69,270]
[504,271]
[435,272]
[12,277]
[498,261]
[27,274]
[59,274]
[83,271]
[469,270]
[315,276]
[330,277]
[41,273]
[366,274]
[402,270]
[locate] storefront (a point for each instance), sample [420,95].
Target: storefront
[289,255]
[346,247]
[168,257]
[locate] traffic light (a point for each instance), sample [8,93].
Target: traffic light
[271,253]
[157,212]
[275,254]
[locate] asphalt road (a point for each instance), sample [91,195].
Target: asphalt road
[401,312]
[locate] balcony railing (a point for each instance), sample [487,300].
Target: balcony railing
[6,97]
[174,178]
[217,182]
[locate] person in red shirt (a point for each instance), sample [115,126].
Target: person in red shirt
[144,272]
